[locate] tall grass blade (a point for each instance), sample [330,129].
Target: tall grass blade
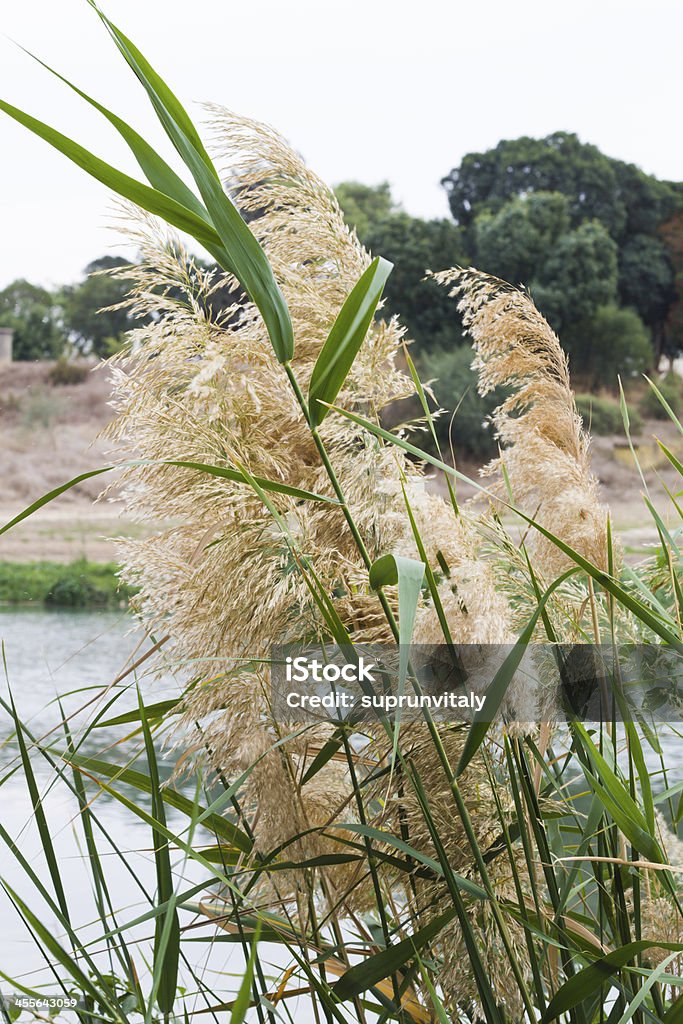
[216,823]
[167,928]
[376,968]
[159,174]
[590,979]
[408,574]
[242,1002]
[345,339]
[495,693]
[150,199]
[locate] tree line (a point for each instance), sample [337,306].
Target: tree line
[75,318]
[598,243]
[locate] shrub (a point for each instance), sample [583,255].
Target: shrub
[671,390]
[621,346]
[80,584]
[65,372]
[9,403]
[455,388]
[73,590]
[603,415]
[40,409]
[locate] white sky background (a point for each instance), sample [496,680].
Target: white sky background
[365,89]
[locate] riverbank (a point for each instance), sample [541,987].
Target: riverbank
[50,436]
[78,584]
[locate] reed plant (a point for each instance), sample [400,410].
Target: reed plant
[502,870]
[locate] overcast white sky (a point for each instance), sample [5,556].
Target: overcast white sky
[365,89]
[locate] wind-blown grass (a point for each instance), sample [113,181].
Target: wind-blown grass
[432,872]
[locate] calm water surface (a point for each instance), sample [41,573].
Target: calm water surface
[76,656]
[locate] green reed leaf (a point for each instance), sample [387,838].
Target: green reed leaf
[150,199]
[243,1000]
[216,823]
[584,984]
[167,927]
[345,339]
[495,693]
[382,965]
[159,174]
[408,574]
[242,253]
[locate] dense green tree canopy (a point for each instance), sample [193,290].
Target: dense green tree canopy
[92,326]
[34,315]
[671,233]
[515,242]
[414,246]
[615,341]
[576,277]
[598,187]
[496,196]
[365,205]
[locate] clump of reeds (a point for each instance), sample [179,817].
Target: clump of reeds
[545,450]
[251,428]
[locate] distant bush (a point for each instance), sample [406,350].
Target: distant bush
[65,372]
[613,342]
[80,584]
[40,408]
[9,403]
[75,590]
[455,387]
[603,415]
[671,389]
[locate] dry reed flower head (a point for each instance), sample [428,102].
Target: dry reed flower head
[431,898]
[544,447]
[227,581]
[661,918]
[224,579]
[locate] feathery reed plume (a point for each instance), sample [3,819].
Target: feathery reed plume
[204,385]
[544,447]
[226,579]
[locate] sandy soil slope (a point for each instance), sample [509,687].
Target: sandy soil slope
[49,434]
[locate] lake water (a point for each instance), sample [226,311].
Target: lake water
[78,656]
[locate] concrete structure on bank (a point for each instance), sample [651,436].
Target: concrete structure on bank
[6,337]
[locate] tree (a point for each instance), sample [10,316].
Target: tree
[671,233]
[578,275]
[557,163]
[466,422]
[615,344]
[93,327]
[571,274]
[415,246]
[34,315]
[646,282]
[515,242]
[364,205]
[486,189]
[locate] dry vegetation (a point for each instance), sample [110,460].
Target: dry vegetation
[51,434]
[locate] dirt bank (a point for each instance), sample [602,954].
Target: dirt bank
[49,435]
